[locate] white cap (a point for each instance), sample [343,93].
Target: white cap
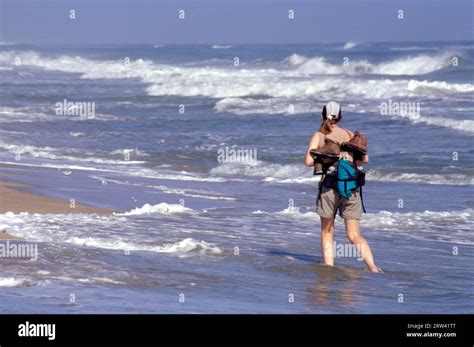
[331,110]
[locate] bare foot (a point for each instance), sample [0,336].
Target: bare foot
[375,269]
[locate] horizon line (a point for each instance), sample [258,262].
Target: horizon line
[10,43]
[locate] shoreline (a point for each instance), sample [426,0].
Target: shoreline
[14,199]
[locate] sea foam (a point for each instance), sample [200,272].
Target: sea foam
[162,208]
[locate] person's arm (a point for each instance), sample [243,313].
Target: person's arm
[313,143]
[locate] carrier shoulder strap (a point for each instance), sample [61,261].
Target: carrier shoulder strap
[360,191]
[362,199]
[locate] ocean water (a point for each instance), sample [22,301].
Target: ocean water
[192,235]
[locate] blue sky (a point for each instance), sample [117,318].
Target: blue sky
[233,21]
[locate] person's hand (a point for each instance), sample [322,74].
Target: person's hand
[364,160]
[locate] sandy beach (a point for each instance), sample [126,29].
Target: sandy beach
[6,236]
[14,199]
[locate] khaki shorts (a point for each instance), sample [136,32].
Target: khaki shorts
[330,200]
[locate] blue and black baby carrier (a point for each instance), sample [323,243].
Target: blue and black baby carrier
[345,178]
[349,178]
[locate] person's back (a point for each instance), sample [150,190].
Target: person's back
[329,201]
[337,134]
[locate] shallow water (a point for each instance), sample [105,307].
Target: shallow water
[236,238]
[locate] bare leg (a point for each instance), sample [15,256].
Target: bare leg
[327,233]
[353,234]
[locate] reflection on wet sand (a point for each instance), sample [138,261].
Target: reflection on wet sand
[335,286]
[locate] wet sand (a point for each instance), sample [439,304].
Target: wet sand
[7,236]
[16,201]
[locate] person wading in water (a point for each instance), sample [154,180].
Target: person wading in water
[335,192]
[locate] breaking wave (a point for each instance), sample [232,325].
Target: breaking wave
[350,45]
[162,208]
[417,65]
[184,247]
[290,79]
[12,282]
